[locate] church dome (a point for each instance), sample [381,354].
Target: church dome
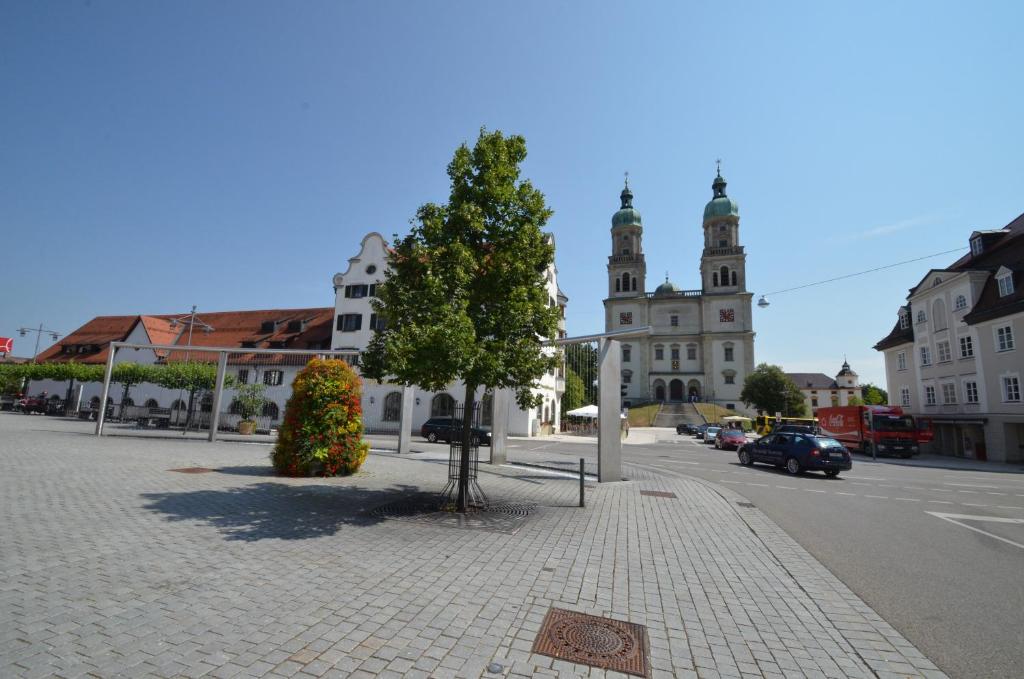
[846,370]
[666,288]
[721,205]
[626,216]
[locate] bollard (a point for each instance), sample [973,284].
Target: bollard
[581,482]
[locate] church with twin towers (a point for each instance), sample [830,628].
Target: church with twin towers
[701,344]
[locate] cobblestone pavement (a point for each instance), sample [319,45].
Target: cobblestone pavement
[112,565]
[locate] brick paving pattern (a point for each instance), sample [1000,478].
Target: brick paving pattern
[111,565]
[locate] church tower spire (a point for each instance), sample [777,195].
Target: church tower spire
[723,262]
[627,268]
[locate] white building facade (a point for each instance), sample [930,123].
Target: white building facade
[702,342]
[822,391]
[355,322]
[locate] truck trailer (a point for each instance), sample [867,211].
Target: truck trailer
[886,430]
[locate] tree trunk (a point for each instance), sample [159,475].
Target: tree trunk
[462,501]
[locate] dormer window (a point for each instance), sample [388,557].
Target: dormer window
[296,326]
[976,246]
[268,326]
[904,322]
[1004,278]
[961,303]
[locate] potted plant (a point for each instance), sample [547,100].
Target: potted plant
[249,403]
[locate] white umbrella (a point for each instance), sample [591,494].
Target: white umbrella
[590,412]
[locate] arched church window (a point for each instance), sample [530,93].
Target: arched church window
[734,278]
[714,279]
[625,281]
[618,285]
[634,283]
[725,275]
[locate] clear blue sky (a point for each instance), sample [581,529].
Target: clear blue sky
[232,154]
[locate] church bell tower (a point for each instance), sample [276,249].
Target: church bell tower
[723,262]
[627,269]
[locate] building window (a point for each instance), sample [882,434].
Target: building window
[357,291]
[691,352]
[976,246]
[271,410]
[961,303]
[901,360]
[728,352]
[724,275]
[392,407]
[272,378]
[948,393]
[904,322]
[675,353]
[970,392]
[966,347]
[926,356]
[814,403]
[905,397]
[659,352]
[1011,389]
[243,376]
[442,405]
[627,353]
[633,286]
[714,279]
[350,322]
[627,376]
[377,323]
[1005,284]
[1004,338]
[734,277]
[942,348]
[730,377]
[626,318]
[929,396]
[618,285]
[673,320]
[922,316]
[625,282]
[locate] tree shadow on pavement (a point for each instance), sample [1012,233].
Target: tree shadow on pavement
[278,511]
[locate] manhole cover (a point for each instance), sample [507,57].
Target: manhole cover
[192,470]
[595,641]
[502,517]
[657,493]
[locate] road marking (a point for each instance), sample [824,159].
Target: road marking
[878,497]
[765,485]
[1010,507]
[967,485]
[941,502]
[907,499]
[870,478]
[968,491]
[991,493]
[959,518]
[786,487]
[942,490]
[850,494]
[813,490]
[974,504]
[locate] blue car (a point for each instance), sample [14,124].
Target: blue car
[798,452]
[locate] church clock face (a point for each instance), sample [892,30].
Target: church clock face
[726,316]
[626,318]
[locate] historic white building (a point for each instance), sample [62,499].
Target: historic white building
[354,326]
[822,391]
[702,341]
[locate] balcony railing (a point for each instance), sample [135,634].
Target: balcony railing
[625,259]
[715,252]
[681,293]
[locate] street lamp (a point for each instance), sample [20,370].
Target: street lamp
[190,320]
[40,331]
[763,302]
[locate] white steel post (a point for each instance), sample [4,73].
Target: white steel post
[106,390]
[405,421]
[218,393]
[501,403]
[609,438]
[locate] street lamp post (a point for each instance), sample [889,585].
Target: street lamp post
[40,331]
[191,321]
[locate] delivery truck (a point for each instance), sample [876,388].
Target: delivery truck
[886,430]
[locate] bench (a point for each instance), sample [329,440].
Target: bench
[146,417]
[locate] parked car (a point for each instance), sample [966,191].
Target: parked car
[699,431]
[797,452]
[686,429]
[711,433]
[444,428]
[730,439]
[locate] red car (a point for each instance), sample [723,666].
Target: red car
[730,439]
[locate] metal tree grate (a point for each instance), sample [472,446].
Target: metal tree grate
[192,470]
[501,517]
[450,492]
[591,640]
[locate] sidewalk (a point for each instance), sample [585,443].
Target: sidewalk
[115,563]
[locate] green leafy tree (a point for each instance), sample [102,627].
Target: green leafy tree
[855,401]
[250,400]
[192,377]
[575,391]
[464,296]
[770,391]
[128,375]
[874,395]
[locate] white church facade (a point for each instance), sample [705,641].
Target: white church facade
[701,345]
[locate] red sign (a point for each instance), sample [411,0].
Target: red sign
[6,345]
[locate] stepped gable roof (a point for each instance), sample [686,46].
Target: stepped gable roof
[813,380]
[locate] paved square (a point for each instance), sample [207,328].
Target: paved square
[112,565]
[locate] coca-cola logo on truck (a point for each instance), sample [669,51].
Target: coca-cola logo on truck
[833,421]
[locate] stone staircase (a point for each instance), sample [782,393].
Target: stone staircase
[672,414]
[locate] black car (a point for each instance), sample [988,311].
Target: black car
[797,452]
[686,429]
[444,428]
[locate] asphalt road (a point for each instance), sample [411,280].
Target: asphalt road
[939,554]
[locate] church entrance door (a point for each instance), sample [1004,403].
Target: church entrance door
[694,390]
[659,390]
[675,389]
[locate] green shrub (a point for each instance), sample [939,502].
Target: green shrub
[322,430]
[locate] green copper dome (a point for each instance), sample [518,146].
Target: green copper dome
[666,288]
[721,205]
[626,216]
